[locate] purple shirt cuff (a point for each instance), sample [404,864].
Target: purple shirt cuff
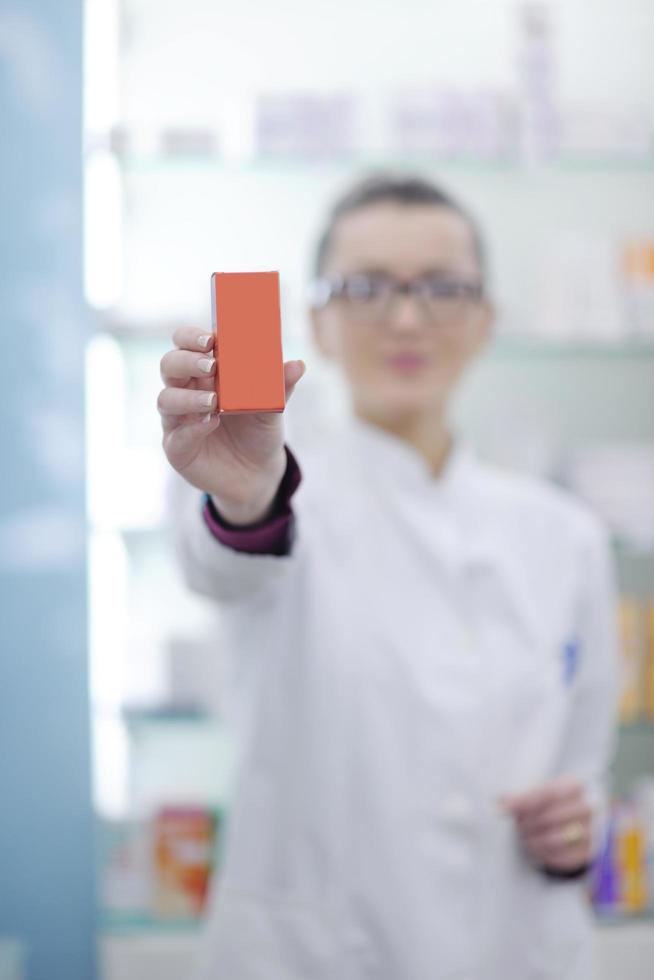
[271,536]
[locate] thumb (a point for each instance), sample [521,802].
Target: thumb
[293,371]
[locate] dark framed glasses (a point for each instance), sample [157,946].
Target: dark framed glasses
[372,296]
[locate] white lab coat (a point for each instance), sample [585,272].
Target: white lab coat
[427,645]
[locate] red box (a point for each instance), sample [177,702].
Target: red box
[248,342]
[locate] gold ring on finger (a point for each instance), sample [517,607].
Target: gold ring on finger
[573,832]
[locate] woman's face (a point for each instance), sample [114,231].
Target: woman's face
[403,354]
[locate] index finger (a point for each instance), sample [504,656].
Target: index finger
[535,800]
[192,338]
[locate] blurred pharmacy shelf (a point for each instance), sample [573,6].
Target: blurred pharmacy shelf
[140,926]
[571,278]
[174,715]
[158,334]
[134,955]
[173,164]
[166,714]
[523,348]
[638,729]
[624,950]
[634,756]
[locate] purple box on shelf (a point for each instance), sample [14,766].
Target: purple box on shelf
[304,125]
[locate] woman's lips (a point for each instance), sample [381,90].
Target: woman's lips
[407,363]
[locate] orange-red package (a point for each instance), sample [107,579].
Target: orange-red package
[184,841]
[248,341]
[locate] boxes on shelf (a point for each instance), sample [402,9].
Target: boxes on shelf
[617,480]
[605,132]
[455,125]
[638,278]
[158,870]
[637,639]
[184,844]
[124,869]
[149,143]
[623,877]
[579,293]
[596,288]
[304,125]
[537,79]
[188,141]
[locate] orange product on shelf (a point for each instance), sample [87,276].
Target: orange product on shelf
[631,852]
[649,260]
[632,660]
[638,260]
[183,850]
[648,700]
[248,342]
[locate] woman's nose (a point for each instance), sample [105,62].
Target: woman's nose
[406,312]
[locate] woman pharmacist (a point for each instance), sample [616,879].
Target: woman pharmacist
[421,648]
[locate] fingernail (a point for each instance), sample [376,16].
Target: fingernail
[208,398]
[204,339]
[206,364]
[207,418]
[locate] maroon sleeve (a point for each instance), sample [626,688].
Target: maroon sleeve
[272,535]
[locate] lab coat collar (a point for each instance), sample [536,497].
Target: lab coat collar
[397,462]
[459,492]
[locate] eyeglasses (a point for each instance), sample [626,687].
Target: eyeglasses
[369,296]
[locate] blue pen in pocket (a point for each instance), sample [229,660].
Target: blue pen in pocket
[570,660]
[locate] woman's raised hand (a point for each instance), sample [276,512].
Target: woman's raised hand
[238,459]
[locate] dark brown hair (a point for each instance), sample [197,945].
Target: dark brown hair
[399,189]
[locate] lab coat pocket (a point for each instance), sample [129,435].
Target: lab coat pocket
[260,936]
